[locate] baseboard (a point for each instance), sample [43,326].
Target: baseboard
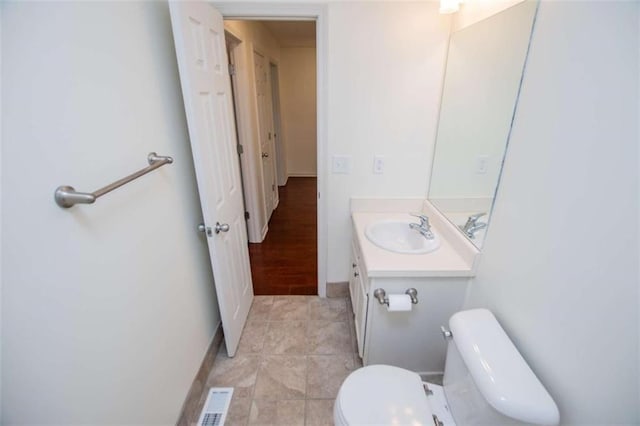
[295,175]
[265,229]
[434,377]
[187,414]
[285,181]
[338,289]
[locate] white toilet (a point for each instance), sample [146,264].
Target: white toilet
[486,382]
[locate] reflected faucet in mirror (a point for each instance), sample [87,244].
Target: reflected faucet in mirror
[472,225]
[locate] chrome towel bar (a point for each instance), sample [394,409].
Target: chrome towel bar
[67,196]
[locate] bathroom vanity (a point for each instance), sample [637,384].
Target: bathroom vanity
[409,339]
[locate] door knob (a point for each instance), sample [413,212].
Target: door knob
[221,228]
[265,155]
[205,229]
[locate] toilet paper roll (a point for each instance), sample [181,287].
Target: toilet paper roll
[399,303]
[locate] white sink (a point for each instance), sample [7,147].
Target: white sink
[398,237]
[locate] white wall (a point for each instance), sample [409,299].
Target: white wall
[560,261]
[298,105]
[107,309]
[1,340]
[385,70]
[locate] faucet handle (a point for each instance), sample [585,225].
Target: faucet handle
[424,219]
[472,219]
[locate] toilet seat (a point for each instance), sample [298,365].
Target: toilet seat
[382,395]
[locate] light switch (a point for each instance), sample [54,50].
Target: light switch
[340,165]
[378,164]
[481,164]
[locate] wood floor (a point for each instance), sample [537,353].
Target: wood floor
[286,261]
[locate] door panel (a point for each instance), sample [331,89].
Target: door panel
[265,126]
[271,135]
[198,32]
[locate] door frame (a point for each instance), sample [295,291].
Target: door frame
[281,162]
[302,11]
[267,213]
[250,164]
[233,45]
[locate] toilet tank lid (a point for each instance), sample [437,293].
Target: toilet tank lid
[501,374]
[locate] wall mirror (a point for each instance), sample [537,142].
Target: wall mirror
[485,64]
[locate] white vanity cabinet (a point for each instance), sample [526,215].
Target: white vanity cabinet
[412,339]
[359,296]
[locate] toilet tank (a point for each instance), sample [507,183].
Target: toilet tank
[486,380]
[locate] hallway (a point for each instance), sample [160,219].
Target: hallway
[286,262]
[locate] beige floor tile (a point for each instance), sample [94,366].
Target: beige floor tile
[252,340]
[328,309]
[239,410]
[290,308]
[270,388]
[328,337]
[281,377]
[280,413]
[319,412]
[286,337]
[260,308]
[326,373]
[239,372]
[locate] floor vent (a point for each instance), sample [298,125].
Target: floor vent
[215,408]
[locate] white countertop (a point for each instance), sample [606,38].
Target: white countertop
[378,262]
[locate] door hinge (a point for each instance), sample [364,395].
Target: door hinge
[232,69]
[240,149]
[273,187]
[247,216]
[269,135]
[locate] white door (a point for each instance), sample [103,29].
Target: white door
[272,133]
[264,121]
[281,167]
[198,32]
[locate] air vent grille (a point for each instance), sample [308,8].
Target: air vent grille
[215,409]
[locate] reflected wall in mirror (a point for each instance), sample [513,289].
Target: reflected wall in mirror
[485,64]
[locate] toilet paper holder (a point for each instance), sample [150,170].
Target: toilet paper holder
[381,295]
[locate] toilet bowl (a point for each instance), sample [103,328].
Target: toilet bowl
[486,382]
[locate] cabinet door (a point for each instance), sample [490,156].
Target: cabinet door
[353,278]
[361,311]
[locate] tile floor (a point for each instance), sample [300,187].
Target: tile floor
[294,353]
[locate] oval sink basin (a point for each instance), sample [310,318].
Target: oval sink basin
[398,237]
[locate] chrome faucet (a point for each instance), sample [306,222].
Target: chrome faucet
[424,227]
[472,225]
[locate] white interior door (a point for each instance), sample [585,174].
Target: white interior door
[271,121]
[198,31]
[281,164]
[264,121]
